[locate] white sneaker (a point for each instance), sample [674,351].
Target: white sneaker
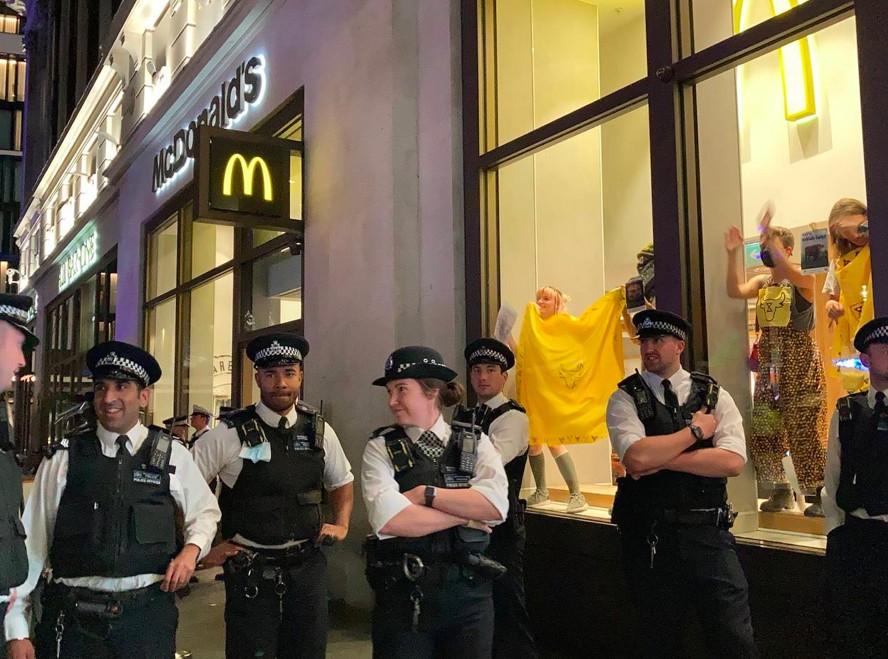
[576,503]
[538,498]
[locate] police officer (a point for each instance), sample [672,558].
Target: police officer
[274,460]
[102,513]
[679,436]
[200,421]
[855,502]
[15,340]
[432,492]
[505,422]
[178,428]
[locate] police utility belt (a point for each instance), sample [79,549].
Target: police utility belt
[722,517]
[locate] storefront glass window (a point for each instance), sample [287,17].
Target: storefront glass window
[163,259]
[162,344]
[86,333]
[212,245]
[277,289]
[546,58]
[575,217]
[772,341]
[209,359]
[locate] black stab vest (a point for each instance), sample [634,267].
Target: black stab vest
[412,469]
[863,480]
[516,466]
[648,497]
[114,521]
[13,556]
[276,502]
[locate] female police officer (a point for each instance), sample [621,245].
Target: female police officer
[432,491]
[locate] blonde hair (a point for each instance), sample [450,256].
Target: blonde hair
[846,207]
[447,394]
[561,299]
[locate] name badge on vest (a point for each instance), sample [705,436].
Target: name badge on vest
[454,479]
[301,443]
[146,477]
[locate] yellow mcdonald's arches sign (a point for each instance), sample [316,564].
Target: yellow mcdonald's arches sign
[247,171]
[795,63]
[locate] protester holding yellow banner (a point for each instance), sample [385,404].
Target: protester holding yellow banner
[848,284]
[567,369]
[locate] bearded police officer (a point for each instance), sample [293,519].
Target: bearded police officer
[15,340]
[679,436]
[505,423]
[274,460]
[855,502]
[432,492]
[102,512]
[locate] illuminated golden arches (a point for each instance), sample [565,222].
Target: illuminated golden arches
[247,171]
[795,66]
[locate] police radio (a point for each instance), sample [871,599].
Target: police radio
[468,445]
[160,451]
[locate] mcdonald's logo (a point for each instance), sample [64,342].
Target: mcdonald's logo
[247,171]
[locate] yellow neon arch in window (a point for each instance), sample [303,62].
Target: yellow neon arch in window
[247,171]
[795,65]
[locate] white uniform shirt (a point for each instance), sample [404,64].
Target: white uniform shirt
[625,428]
[510,432]
[187,487]
[835,516]
[218,453]
[383,497]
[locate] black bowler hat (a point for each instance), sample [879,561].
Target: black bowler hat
[280,349]
[117,360]
[654,322]
[175,421]
[875,331]
[14,309]
[489,351]
[416,362]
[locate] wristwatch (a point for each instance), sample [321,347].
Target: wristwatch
[696,431]
[430,493]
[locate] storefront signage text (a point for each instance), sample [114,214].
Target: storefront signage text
[236,96]
[79,260]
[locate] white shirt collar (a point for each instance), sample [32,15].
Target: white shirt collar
[136,436]
[496,401]
[677,378]
[272,418]
[871,396]
[440,428]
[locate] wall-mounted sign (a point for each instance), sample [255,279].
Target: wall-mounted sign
[236,96]
[244,179]
[79,259]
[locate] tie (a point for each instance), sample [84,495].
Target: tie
[481,413]
[880,403]
[879,414]
[121,442]
[669,396]
[430,445]
[282,424]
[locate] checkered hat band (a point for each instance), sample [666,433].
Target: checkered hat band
[15,312]
[877,334]
[663,326]
[277,350]
[405,366]
[487,353]
[124,366]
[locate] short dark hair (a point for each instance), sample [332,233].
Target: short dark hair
[784,234]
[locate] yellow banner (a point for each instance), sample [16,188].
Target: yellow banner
[854,274]
[567,369]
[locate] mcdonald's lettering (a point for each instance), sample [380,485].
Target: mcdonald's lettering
[248,171]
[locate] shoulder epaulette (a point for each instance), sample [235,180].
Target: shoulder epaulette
[703,377]
[631,382]
[231,418]
[382,431]
[306,408]
[62,444]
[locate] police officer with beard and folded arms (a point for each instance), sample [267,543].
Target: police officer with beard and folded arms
[102,513]
[505,422]
[274,460]
[15,340]
[679,436]
[855,502]
[432,492]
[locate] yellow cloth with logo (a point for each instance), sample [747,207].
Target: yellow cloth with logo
[854,274]
[567,369]
[774,307]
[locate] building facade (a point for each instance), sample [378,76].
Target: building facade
[443,158]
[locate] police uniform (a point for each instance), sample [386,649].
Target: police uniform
[855,503]
[433,593]
[101,513]
[678,553]
[201,411]
[273,470]
[174,422]
[14,310]
[505,422]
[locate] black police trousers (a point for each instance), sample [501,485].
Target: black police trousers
[278,620]
[144,629]
[455,621]
[512,638]
[857,589]
[695,571]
